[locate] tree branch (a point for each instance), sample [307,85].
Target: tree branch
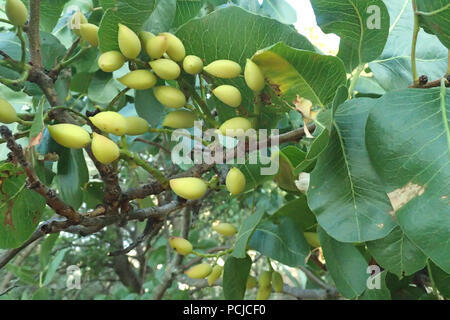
[34,35]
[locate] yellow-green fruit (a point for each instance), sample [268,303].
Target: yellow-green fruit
[225,229]
[189,188]
[7,112]
[16,12]
[199,271]
[180,119]
[76,21]
[156,46]
[192,65]
[104,149]
[254,76]
[110,122]
[166,69]
[129,42]
[136,126]
[235,181]
[251,282]
[264,293]
[89,33]
[170,97]
[229,95]
[215,274]
[139,80]
[265,279]
[231,126]
[111,61]
[312,239]
[180,245]
[69,135]
[277,282]
[225,69]
[145,36]
[175,48]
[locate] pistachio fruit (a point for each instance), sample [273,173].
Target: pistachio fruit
[199,271]
[166,69]
[89,33]
[180,245]
[76,21]
[251,282]
[312,238]
[277,282]
[156,46]
[265,279]
[254,76]
[136,126]
[7,112]
[16,12]
[235,181]
[235,126]
[189,188]
[225,69]
[229,95]
[180,119]
[175,48]
[110,122]
[111,61]
[139,80]
[215,274]
[69,135]
[104,149]
[225,229]
[170,97]
[129,42]
[264,293]
[192,65]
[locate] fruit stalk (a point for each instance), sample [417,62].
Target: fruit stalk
[126,155]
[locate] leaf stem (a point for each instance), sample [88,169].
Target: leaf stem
[23,45]
[414,44]
[212,255]
[433,284]
[354,81]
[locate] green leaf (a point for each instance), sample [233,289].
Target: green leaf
[345,193]
[280,10]
[50,13]
[46,250]
[103,88]
[132,13]
[246,230]
[253,175]
[408,140]
[162,17]
[20,209]
[302,73]
[363,26]
[346,265]
[382,293]
[25,274]
[72,176]
[284,242]
[298,211]
[441,280]
[38,123]
[235,275]
[186,10]
[392,70]
[53,266]
[148,107]
[435,18]
[285,178]
[93,194]
[397,254]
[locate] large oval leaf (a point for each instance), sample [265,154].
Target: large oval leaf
[434,16]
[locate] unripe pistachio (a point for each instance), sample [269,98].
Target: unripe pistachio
[69,135]
[111,61]
[189,188]
[104,149]
[225,229]
[312,239]
[89,33]
[264,293]
[215,274]
[166,69]
[175,48]
[180,245]
[139,80]
[235,181]
[232,126]
[254,76]
[265,279]
[129,42]
[192,65]
[170,97]
[16,12]
[156,46]
[199,271]
[225,69]
[277,282]
[145,36]
[76,21]
[229,95]
[7,112]
[110,122]
[251,282]
[136,126]
[180,119]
